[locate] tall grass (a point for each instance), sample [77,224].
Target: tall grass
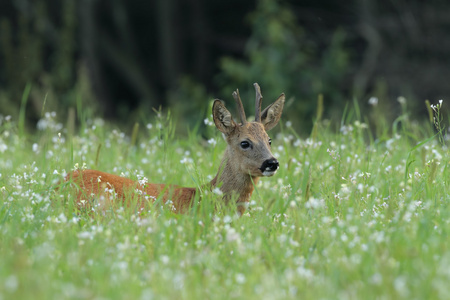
[349,215]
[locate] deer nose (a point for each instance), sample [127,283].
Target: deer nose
[270,165]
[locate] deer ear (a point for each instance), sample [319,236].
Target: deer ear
[272,114]
[222,117]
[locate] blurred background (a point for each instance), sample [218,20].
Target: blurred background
[119,59]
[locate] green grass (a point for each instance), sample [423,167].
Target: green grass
[348,216]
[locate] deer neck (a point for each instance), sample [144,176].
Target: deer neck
[232,182]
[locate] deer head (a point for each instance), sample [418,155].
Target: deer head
[248,151]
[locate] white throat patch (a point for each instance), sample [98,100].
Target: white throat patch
[269,173]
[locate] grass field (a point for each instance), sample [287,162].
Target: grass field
[349,215]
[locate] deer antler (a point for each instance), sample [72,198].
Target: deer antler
[237,97]
[258,102]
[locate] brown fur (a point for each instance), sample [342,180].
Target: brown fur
[99,185]
[239,170]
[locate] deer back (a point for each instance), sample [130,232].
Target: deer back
[105,188]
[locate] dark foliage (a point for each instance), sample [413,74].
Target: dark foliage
[122,58]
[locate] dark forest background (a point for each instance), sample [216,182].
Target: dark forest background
[119,59]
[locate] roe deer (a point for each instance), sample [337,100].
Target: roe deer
[247,157]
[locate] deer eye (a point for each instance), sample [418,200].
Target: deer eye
[245,144]
[270,141]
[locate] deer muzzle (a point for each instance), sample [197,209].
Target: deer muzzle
[269,167]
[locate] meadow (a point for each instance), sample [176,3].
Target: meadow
[351,214]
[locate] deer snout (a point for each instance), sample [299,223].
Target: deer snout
[269,167]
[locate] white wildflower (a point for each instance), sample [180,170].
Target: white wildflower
[62,218]
[232,235]
[35,148]
[314,203]
[11,283]
[227,219]
[400,286]
[360,125]
[401,100]
[142,180]
[49,154]
[376,279]
[294,243]
[208,122]
[240,278]
[186,160]
[437,155]
[346,129]
[305,273]
[212,141]
[217,191]
[3,147]
[373,101]
[165,259]
[86,235]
